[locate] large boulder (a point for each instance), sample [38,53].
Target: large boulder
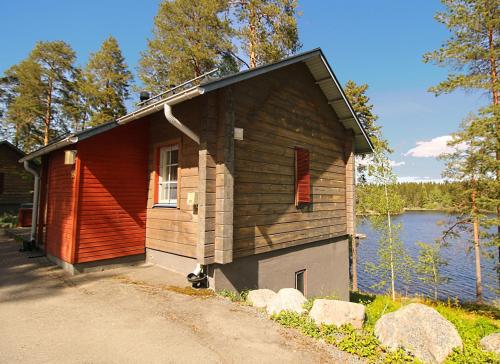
[491,343]
[421,330]
[260,297]
[338,313]
[287,299]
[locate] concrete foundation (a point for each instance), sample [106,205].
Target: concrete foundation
[99,265]
[177,263]
[326,266]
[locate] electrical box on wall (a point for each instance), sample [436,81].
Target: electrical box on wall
[238,133]
[192,199]
[69,156]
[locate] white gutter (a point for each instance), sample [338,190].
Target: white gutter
[62,143]
[175,122]
[158,105]
[34,211]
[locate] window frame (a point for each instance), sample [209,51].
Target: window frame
[302,176]
[158,154]
[302,272]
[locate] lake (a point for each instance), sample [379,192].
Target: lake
[427,226]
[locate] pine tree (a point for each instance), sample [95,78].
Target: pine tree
[472,52]
[189,39]
[360,102]
[104,84]
[267,29]
[473,162]
[39,86]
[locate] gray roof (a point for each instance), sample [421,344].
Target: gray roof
[319,68]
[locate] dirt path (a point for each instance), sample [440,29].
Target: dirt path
[132,316]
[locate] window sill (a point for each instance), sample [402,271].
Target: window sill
[165,205]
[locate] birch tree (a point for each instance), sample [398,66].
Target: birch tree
[429,265]
[393,261]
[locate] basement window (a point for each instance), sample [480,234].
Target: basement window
[300,281]
[167,174]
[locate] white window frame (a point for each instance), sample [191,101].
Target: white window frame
[165,182]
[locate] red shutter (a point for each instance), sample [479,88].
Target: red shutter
[302,177]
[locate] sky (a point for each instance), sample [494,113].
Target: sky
[380,43]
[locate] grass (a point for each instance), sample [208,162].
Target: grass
[234,296]
[473,322]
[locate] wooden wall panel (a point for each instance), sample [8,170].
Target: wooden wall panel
[112,193]
[60,214]
[278,112]
[174,230]
[17,183]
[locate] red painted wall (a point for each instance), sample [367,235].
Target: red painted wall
[113,191]
[60,219]
[96,208]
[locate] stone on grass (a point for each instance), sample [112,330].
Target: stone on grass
[260,297]
[338,313]
[491,343]
[421,330]
[287,299]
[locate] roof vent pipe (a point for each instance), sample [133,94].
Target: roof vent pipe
[175,122]
[34,212]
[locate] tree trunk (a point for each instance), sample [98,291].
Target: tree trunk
[494,94]
[389,227]
[253,34]
[477,249]
[48,116]
[354,267]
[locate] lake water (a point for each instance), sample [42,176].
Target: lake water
[426,227]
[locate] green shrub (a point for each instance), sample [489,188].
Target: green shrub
[8,221]
[472,322]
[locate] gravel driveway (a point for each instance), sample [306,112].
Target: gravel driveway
[132,315]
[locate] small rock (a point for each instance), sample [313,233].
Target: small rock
[491,343]
[287,299]
[421,330]
[338,313]
[260,297]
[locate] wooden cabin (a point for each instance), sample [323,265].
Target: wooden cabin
[249,177]
[16,185]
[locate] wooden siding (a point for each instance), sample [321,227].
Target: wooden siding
[112,194]
[281,111]
[60,214]
[174,230]
[17,183]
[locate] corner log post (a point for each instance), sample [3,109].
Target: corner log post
[206,183]
[225,179]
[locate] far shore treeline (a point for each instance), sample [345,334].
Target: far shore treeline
[419,196]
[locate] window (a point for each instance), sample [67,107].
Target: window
[300,281]
[2,179]
[302,177]
[167,168]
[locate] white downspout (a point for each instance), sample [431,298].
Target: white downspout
[175,122]
[34,211]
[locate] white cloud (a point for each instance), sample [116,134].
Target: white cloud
[397,164]
[431,148]
[419,179]
[366,161]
